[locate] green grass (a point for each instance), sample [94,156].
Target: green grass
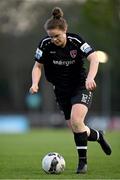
[21,155]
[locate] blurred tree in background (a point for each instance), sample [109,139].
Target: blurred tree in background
[21,27]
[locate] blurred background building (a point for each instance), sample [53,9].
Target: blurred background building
[21,28]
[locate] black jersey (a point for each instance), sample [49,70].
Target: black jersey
[64,66]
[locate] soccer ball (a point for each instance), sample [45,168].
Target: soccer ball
[53,163]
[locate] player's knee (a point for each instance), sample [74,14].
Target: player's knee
[77,118]
[77,122]
[78,114]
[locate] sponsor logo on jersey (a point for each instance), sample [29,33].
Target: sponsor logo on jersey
[85,48]
[63,63]
[38,53]
[73,53]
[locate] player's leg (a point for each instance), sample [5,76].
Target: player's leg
[69,124]
[80,104]
[85,97]
[95,135]
[99,137]
[80,131]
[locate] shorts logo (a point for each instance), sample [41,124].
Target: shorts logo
[84,98]
[73,53]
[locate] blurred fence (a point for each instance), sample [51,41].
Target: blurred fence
[23,123]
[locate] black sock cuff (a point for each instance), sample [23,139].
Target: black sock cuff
[82,135]
[94,135]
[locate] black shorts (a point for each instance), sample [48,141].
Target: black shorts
[66,99]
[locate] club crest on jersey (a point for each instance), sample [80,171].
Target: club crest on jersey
[73,53]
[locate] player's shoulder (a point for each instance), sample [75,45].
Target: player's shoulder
[45,41]
[75,37]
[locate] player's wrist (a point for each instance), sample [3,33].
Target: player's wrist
[35,85]
[89,79]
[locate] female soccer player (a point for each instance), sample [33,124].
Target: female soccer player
[62,54]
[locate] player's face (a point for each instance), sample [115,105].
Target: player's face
[58,37]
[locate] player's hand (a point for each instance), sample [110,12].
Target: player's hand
[90,84]
[34,89]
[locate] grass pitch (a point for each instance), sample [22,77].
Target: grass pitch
[21,155]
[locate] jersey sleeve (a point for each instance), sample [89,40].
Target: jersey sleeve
[39,53]
[85,48]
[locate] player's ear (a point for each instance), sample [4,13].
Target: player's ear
[65,31]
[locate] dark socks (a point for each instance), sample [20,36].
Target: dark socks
[94,135]
[81,145]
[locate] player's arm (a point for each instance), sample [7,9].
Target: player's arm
[36,76]
[93,68]
[37,69]
[88,52]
